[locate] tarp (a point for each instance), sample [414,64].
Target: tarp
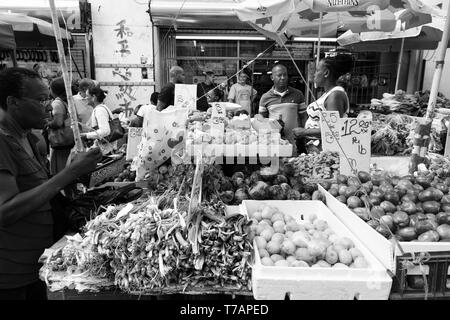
[7,40]
[278,18]
[426,37]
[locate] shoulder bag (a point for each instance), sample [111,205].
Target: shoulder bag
[116,129]
[62,138]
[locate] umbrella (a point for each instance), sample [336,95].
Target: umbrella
[7,40]
[284,18]
[425,37]
[32,32]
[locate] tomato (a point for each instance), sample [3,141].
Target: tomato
[423,226]
[373,223]
[353,181]
[401,219]
[354,202]
[388,221]
[424,181]
[342,199]
[377,212]
[426,195]
[377,193]
[342,179]
[395,180]
[409,207]
[362,213]
[429,236]
[383,230]
[388,206]
[437,194]
[409,197]
[363,176]
[442,187]
[334,192]
[350,191]
[392,197]
[445,207]
[445,198]
[407,234]
[368,186]
[444,231]
[431,207]
[443,218]
[374,201]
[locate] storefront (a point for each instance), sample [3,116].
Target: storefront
[191,43]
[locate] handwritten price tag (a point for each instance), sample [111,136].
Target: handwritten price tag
[134,138]
[186,96]
[355,139]
[329,128]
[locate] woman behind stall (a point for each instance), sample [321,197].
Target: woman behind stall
[327,75]
[60,118]
[101,115]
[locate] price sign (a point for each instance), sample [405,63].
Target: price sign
[186,96]
[329,128]
[134,138]
[218,111]
[355,137]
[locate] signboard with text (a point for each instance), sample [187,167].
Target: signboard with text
[186,96]
[354,136]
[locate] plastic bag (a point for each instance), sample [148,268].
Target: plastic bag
[164,131]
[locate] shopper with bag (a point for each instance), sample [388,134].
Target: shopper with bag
[60,134]
[26,189]
[106,129]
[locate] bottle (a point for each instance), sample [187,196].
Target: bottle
[281,122]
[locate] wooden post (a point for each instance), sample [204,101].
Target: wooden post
[399,68]
[62,58]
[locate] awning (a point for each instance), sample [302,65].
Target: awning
[201,14]
[7,37]
[70,10]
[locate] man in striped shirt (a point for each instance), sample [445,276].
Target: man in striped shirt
[284,103]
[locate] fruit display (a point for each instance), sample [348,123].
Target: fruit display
[411,208]
[127,175]
[283,241]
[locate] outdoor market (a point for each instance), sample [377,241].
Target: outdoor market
[235,149]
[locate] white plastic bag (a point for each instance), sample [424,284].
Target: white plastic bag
[164,131]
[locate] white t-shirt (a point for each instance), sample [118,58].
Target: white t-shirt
[144,111]
[242,94]
[84,111]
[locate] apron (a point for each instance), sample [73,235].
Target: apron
[289,114]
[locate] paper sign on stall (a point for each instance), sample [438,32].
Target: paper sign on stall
[329,128]
[186,96]
[355,138]
[134,138]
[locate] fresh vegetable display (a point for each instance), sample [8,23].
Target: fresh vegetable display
[283,241]
[412,208]
[157,244]
[324,165]
[392,135]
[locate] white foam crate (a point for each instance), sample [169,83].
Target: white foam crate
[240,150]
[385,250]
[270,282]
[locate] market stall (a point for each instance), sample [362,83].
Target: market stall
[184,213]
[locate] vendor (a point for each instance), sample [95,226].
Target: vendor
[327,75]
[283,103]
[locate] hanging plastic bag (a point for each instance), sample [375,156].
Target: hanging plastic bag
[164,130]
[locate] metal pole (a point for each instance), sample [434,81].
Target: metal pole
[62,58]
[318,41]
[400,60]
[439,67]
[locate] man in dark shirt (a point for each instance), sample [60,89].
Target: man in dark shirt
[203,90]
[167,95]
[26,222]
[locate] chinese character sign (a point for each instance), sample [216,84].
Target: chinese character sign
[122,34]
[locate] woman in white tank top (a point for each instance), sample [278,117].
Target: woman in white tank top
[328,72]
